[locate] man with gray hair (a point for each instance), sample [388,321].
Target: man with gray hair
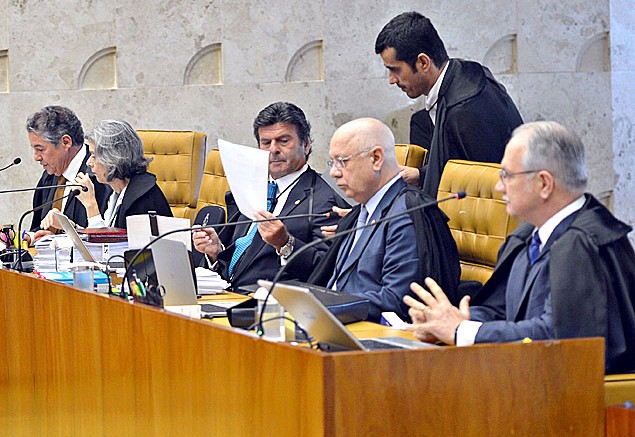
[380,261]
[57,139]
[568,272]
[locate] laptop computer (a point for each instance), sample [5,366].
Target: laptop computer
[77,241]
[79,244]
[174,272]
[307,310]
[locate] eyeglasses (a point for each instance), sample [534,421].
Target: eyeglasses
[340,163]
[504,175]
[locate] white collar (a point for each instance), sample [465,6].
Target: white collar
[432,97]
[545,231]
[74,166]
[373,202]
[285,181]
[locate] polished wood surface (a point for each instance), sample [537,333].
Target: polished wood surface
[620,421]
[82,364]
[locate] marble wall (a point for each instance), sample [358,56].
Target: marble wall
[212,65]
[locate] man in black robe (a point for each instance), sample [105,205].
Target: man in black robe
[568,272]
[467,115]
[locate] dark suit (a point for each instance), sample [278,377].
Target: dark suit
[582,285]
[474,120]
[260,260]
[74,209]
[385,259]
[142,195]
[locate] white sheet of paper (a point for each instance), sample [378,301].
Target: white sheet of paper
[139,230]
[247,171]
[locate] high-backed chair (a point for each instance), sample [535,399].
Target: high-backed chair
[178,158]
[479,222]
[410,155]
[214,184]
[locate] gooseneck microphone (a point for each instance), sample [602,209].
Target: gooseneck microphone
[16,161]
[276,279]
[37,208]
[84,188]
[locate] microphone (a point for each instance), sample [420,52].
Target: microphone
[72,194]
[276,279]
[84,188]
[16,161]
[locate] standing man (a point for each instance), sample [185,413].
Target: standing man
[467,115]
[57,139]
[568,272]
[247,253]
[380,261]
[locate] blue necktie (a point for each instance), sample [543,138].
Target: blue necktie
[243,243]
[534,248]
[347,247]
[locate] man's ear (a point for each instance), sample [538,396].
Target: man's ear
[424,63]
[66,142]
[377,155]
[307,147]
[547,184]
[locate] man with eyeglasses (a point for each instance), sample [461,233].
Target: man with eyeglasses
[379,261]
[57,139]
[245,253]
[569,271]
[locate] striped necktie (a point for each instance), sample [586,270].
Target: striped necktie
[242,243]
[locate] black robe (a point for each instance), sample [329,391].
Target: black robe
[142,195]
[475,118]
[592,274]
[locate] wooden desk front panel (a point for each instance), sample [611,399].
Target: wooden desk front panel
[81,364]
[76,363]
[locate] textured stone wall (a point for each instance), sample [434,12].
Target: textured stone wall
[212,65]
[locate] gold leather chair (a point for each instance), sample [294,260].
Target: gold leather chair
[479,222]
[178,158]
[214,184]
[411,155]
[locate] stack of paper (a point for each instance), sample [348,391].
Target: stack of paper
[53,253]
[209,282]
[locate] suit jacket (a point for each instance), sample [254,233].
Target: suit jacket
[586,288]
[74,209]
[142,195]
[384,261]
[475,119]
[260,260]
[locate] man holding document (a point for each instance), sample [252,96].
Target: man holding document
[245,253]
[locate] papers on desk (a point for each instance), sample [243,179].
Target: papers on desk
[55,252]
[247,172]
[209,282]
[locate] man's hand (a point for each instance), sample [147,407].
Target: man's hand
[50,221]
[329,230]
[272,232]
[436,317]
[40,234]
[206,241]
[410,175]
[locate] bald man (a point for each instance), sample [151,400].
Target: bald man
[379,261]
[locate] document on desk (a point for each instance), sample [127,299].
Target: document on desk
[247,171]
[139,233]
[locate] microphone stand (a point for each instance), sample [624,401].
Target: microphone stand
[19,190]
[216,226]
[37,208]
[276,278]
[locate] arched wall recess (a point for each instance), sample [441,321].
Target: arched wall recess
[205,67]
[99,71]
[502,56]
[595,56]
[307,64]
